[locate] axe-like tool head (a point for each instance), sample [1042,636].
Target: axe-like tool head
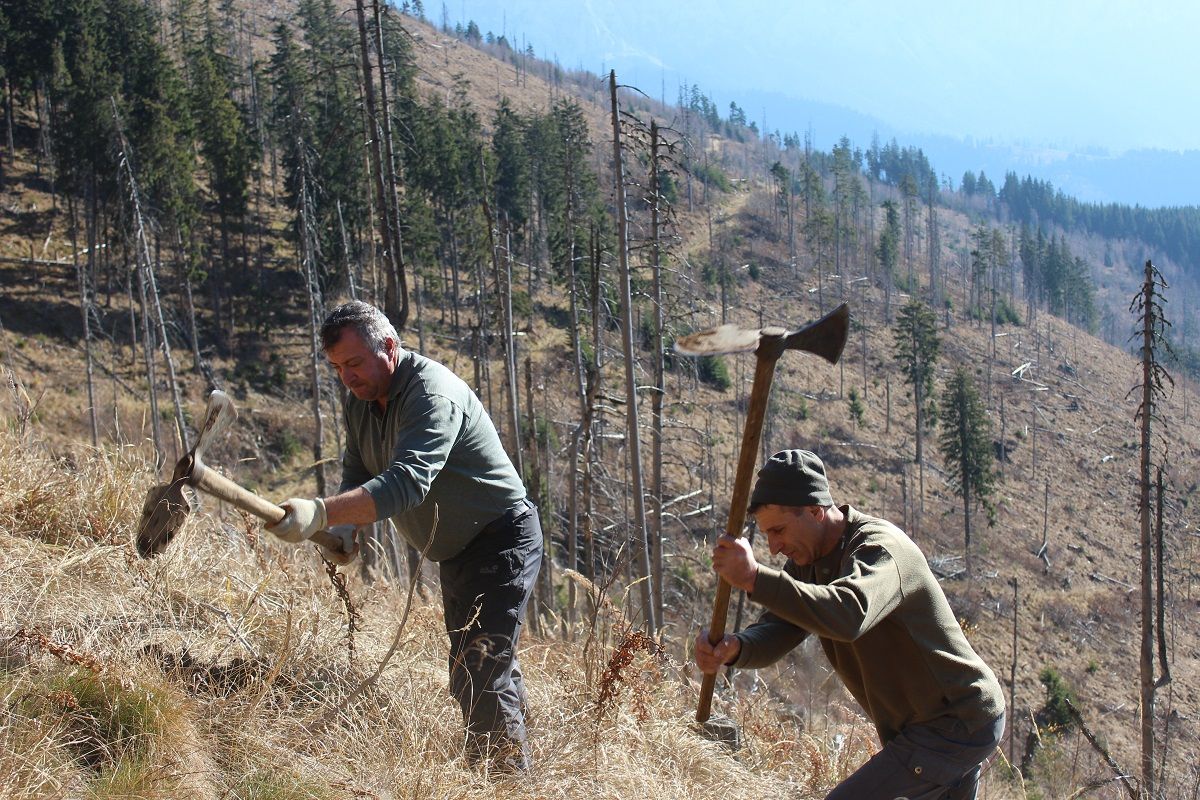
[825,338]
[166,507]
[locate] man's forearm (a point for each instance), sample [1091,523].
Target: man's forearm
[355,507]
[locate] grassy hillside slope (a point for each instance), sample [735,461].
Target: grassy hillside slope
[232,667]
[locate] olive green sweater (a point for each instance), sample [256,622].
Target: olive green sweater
[434,445]
[885,626]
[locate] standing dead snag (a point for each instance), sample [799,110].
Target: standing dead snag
[631,414]
[146,281]
[396,292]
[1148,304]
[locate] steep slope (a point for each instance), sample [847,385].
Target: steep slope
[1067,426]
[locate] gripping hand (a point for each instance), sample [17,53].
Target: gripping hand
[348,535]
[303,519]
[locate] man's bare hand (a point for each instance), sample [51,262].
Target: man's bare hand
[734,561]
[710,659]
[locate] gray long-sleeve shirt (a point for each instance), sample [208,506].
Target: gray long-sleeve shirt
[434,444]
[884,624]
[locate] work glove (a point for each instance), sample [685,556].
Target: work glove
[303,519]
[349,536]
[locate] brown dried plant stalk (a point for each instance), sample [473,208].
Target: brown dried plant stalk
[39,641]
[353,615]
[617,673]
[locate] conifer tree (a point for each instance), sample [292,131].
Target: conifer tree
[916,351]
[570,191]
[911,194]
[330,104]
[511,186]
[889,254]
[229,153]
[966,446]
[933,233]
[844,181]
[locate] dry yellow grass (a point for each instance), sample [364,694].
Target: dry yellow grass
[222,669]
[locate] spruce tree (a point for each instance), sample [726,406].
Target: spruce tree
[966,445]
[511,183]
[330,104]
[889,253]
[916,351]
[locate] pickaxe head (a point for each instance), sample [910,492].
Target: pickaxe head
[825,338]
[166,507]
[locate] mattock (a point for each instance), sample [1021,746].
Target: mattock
[825,338]
[166,507]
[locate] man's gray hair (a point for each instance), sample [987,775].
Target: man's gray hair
[366,320]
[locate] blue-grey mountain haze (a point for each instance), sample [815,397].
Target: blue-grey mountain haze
[1098,97]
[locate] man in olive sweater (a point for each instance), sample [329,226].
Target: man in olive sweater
[422,450]
[862,586]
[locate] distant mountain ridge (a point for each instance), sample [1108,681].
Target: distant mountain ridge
[1147,178]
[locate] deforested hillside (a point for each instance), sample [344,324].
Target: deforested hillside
[190,211]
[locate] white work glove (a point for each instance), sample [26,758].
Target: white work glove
[349,536]
[303,519]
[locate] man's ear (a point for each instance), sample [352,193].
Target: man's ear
[390,346]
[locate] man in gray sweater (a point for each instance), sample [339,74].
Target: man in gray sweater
[422,450]
[864,588]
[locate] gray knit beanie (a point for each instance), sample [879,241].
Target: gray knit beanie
[792,478]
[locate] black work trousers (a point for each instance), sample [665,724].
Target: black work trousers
[485,590]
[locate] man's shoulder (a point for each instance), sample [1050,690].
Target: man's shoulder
[859,522]
[418,375]
[863,528]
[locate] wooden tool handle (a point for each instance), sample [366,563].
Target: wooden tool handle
[766,356]
[214,483]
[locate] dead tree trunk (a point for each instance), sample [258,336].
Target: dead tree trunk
[659,390]
[510,354]
[351,283]
[389,174]
[503,280]
[1044,551]
[589,453]
[1012,684]
[147,282]
[1153,325]
[545,593]
[308,258]
[394,305]
[578,433]
[631,412]
[85,308]
[189,304]
[151,378]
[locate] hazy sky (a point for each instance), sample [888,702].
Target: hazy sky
[1062,73]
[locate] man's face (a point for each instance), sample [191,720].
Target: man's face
[797,532]
[365,371]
